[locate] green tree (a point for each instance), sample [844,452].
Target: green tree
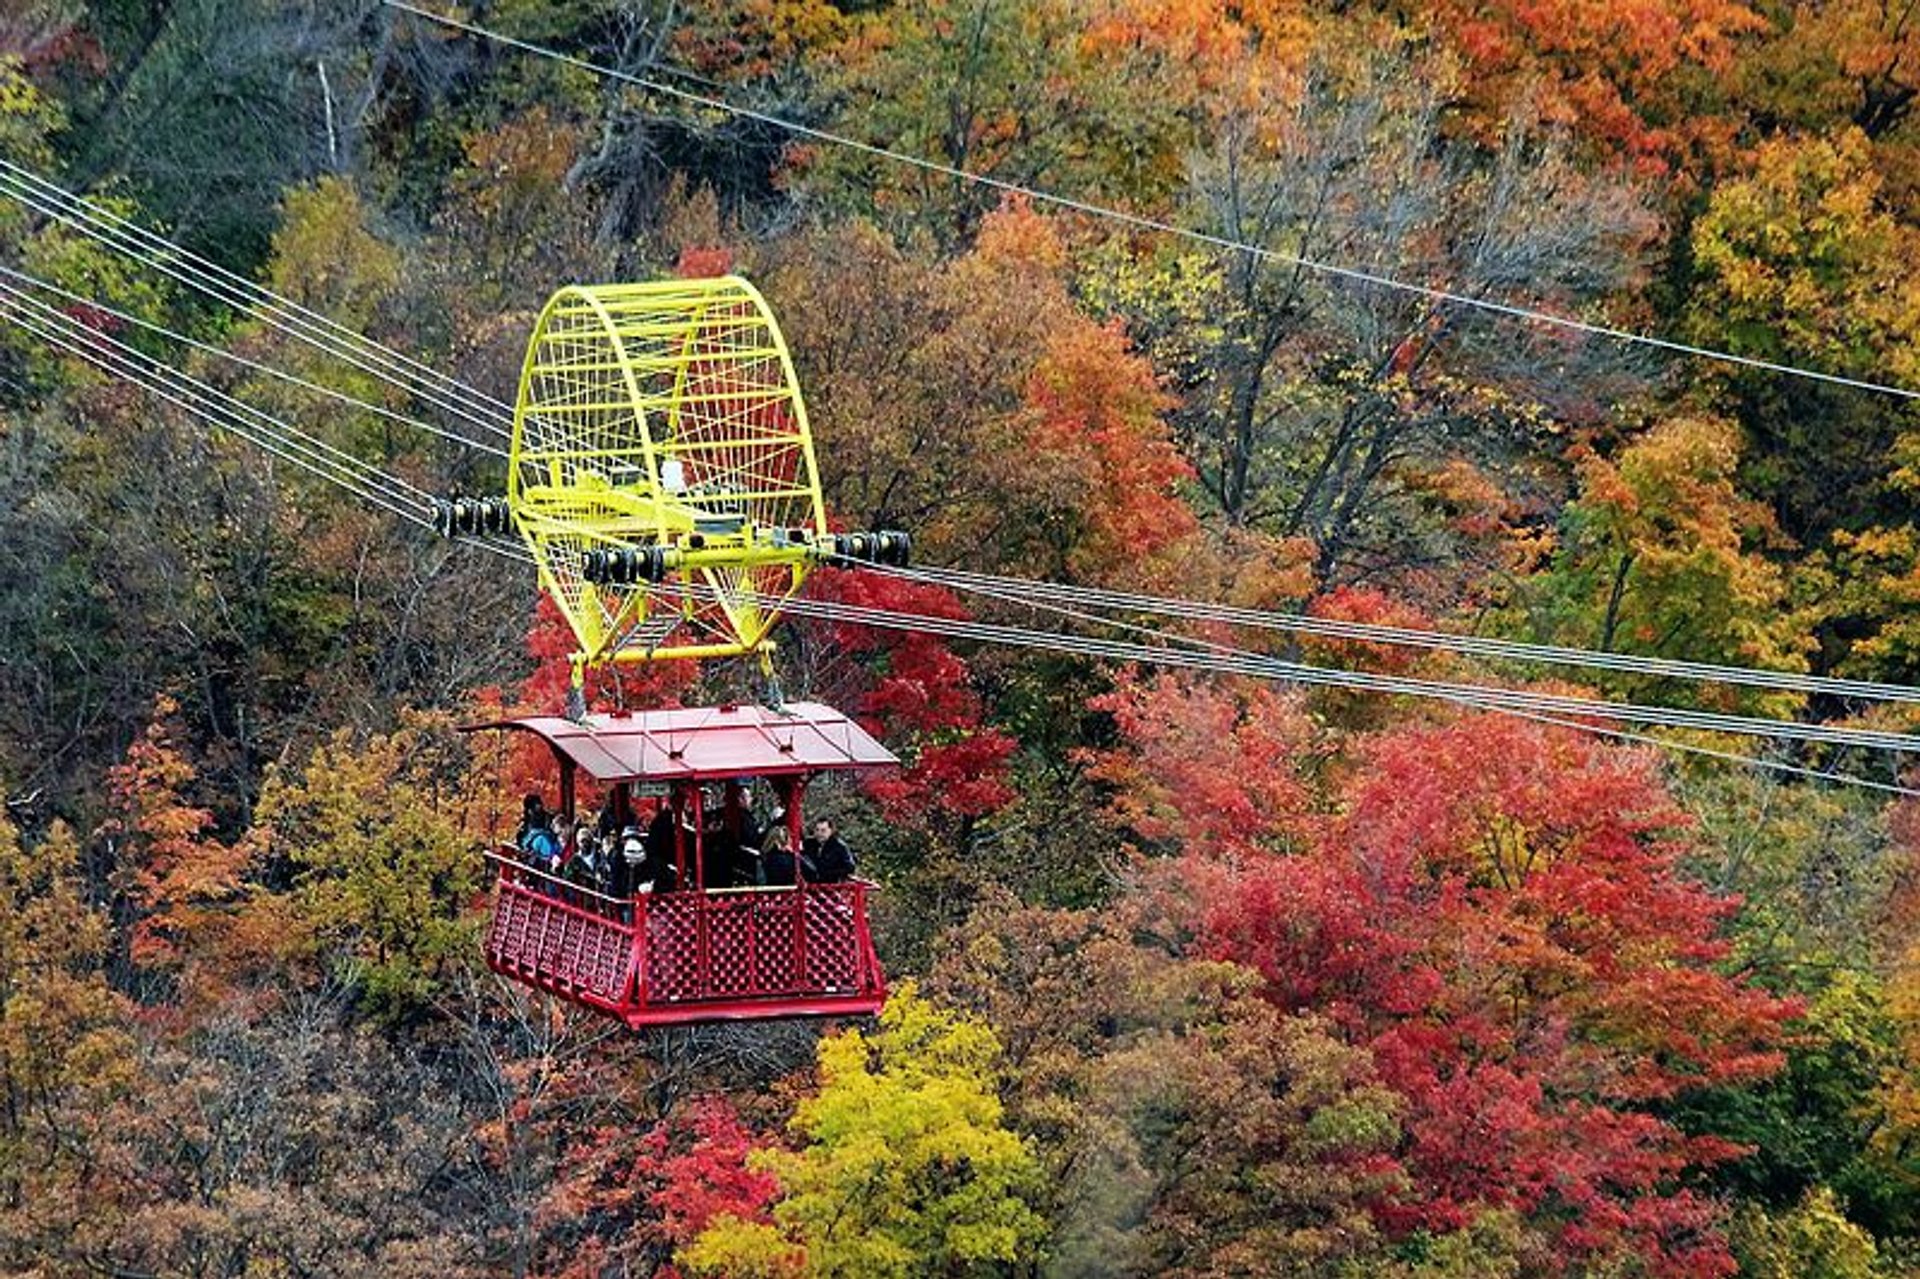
[1005,88]
[1812,1240]
[1660,554]
[368,833]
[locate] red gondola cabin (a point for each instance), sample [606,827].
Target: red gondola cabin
[691,938]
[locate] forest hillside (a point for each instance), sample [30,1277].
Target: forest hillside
[1275,335]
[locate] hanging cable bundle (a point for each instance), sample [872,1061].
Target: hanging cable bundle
[448,395]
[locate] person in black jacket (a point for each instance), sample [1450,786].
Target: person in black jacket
[776,858]
[718,850]
[659,861]
[828,859]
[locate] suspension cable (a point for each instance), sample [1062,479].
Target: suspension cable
[234,416]
[1033,593]
[237,291]
[1241,663]
[450,395]
[1352,275]
[256,366]
[1537,717]
[362,480]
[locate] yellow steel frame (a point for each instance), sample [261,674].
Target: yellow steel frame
[665,414]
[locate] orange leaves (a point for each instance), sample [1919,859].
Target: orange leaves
[1224,56]
[180,880]
[1608,69]
[1095,412]
[973,402]
[1216,771]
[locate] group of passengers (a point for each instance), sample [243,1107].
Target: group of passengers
[616,856]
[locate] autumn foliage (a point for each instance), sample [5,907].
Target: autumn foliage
[1497,915]
[1193,975]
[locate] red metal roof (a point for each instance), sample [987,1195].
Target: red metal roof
[708,742]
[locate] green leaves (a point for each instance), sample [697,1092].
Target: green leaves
[382,873]
[1660,554]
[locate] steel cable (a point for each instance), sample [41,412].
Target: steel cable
[456,398]
[1031,593]
[242,361]
[1240,662]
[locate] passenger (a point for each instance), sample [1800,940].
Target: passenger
[533,817]
[746,837]
[749,831]
[587,867]
[776,858]
[827,859]
[641,871]
[538,843]
[660,836]
[559,848]
[719,849]
[609,823]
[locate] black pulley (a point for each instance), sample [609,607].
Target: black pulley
[624,565]
[889,546]
[471,516]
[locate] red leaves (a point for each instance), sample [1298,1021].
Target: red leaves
[1212,768]
[1372,608]
[697,1164]
[966,778]
[1499,918]
[550,643]
[916,694]
[701,263]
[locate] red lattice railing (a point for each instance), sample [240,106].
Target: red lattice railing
[769,952]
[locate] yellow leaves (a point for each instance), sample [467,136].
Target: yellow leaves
[326,257]
[382,871]
[1814,1237]
[1804,256]
[28,118]
[743,1250]
[1874,580]
[905,1167]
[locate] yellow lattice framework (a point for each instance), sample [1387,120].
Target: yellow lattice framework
[664,418]
[662,472]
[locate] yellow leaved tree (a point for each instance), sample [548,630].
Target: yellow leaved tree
[905,1166]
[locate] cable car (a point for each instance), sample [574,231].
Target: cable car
[692,944]
[662,478]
